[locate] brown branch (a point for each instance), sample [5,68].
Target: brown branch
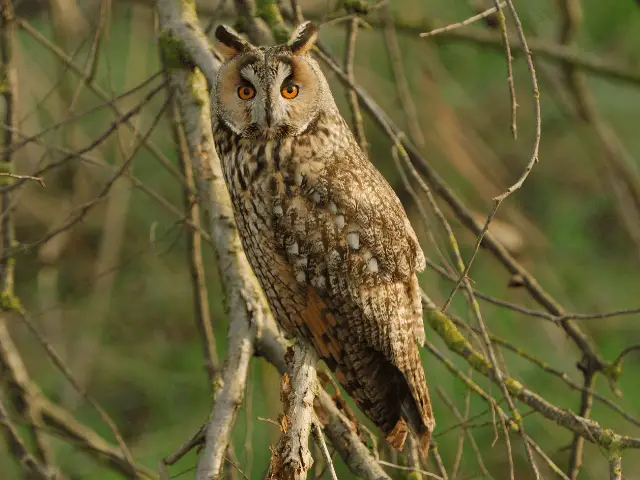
[123,119]
[38,411]
[543,49]
[59,363]
[80,212]
[63,424]
[26,139]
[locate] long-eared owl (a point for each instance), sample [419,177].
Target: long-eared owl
[327,237]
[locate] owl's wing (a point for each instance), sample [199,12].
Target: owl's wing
[346,232]
[350,242]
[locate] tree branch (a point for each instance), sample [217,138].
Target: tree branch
[292,459]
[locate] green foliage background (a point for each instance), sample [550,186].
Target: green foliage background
[148,368]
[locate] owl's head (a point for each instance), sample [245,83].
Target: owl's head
[269,92]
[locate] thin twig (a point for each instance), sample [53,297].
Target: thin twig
[18,447]
[101,94]
[40,180]
[401,83]
[349,57]
[318,435]
[466,431]
[409,469]
[59,363]
[547,368]
[507,51]
[497,201]
[464,23]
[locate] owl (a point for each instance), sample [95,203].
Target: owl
[325,234]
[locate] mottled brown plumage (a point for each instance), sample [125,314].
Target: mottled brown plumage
[328,239]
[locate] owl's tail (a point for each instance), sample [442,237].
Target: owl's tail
[396,402]
[416,410]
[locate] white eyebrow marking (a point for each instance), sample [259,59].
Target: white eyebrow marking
[249,74]
[257,103]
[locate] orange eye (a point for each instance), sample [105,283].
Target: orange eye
[290,91]
[246,92]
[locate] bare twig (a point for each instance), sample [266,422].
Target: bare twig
[40,180]
[18,447]
[467,432]
[319,436]
[349,54]
[21,393]
[101,94]
[55,358]
[464,23]
[409,469]
[549,369]
[507,51]
[402,86]
[112,128]
[534,156]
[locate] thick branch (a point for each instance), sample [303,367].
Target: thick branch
[338,428]
[292,458]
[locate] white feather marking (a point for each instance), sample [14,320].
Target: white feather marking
[268,151]
[277,210]
[319,281]
[353,239]
[301,277]
[339,221]
[373,265]
[293,248]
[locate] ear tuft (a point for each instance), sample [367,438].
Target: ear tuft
[230,43]
[303,38]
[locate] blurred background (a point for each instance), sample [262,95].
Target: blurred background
[112,292]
